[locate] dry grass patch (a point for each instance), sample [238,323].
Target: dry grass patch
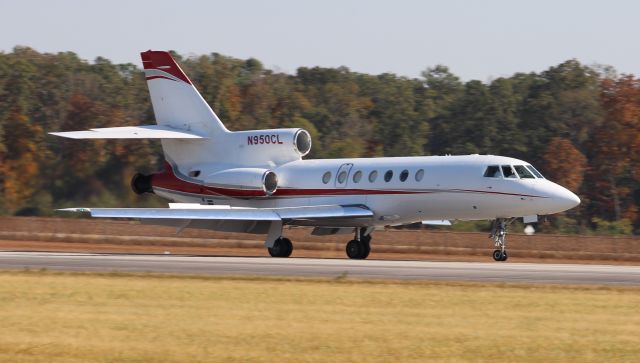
[60,317]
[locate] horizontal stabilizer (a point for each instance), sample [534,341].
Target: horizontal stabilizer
[131,132]
[441,222]
[230,213]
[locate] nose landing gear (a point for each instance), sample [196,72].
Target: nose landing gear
[500,255]
[499,236]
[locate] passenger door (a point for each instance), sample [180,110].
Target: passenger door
[342,176]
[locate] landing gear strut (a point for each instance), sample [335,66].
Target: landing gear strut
[499,236]
[282,247]
[359,247]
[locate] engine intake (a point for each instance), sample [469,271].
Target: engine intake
[302,142]
[269,182]
[141,183]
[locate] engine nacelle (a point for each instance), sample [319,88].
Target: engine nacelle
[269,146]
[141,183]
[256,179]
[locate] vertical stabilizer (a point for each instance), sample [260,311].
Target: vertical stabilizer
[179,105]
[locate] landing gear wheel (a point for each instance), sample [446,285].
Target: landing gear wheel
[367,248]
[282,247]
[499,236]
[358,250]
[500,255]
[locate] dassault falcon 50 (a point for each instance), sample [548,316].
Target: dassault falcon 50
[258,182]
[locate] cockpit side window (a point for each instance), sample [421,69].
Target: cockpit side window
[535,171]
[493,171]
[508,172]
[523,172]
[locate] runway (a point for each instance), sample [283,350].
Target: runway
[327,268]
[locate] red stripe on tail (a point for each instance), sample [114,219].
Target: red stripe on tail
[163,61]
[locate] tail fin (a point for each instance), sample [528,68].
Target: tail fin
[191,133]
[176,102]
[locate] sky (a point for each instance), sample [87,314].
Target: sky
[480,40]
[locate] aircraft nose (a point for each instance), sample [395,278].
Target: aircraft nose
[562,198]
[569,199]
[557,198]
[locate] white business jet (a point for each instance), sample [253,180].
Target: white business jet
[257,181]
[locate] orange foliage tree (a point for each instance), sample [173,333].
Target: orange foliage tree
[564,164]
[21,161]
[615,147]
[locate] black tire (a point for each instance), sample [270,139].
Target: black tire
[367,248]
[356,250]
[275,251]
[504,256]
[282,247]
[497,255]
[289,247]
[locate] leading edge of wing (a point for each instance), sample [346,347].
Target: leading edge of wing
[130,132]
[240,214]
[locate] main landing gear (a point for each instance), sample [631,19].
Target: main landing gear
[499,236]
[359,247]
[282,247]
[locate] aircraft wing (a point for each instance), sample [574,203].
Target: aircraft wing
[201,212]
[131,132]
[441,222]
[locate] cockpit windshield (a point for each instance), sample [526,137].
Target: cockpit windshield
[493,171]
[508,172]
[512,172]
[534,171]
[523,172]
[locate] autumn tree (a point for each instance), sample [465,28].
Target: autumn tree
[615,150]
[561,101]
[20,164]
[564,164]
[400,129]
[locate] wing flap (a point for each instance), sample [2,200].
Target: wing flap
[325,211]
[130,132]
[441,222]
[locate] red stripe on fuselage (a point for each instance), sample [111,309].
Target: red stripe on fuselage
[169,181]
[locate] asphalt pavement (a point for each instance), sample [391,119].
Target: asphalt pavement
[327,268]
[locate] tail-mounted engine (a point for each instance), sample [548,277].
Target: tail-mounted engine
[141,183]
[263,181]
[273,146]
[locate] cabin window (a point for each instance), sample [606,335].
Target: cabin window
[535,171]
[419,175]
[523,172]
[342,176]
[493,171]
[357,176]
[194,173]
[326,177]
[388,175]
[404,175]
[508,172]
[373,176]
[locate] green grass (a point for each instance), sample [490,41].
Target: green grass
[65,317]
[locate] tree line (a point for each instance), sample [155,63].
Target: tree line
[579,125]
